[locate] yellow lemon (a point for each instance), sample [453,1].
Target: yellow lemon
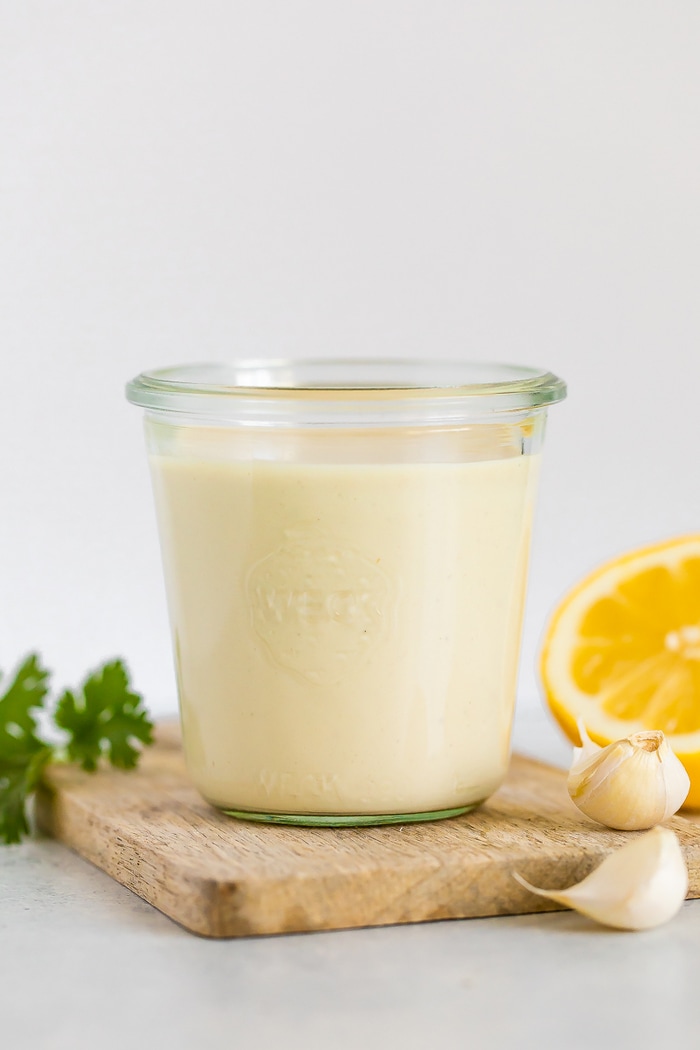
[622,651]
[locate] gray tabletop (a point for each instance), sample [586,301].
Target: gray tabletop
[85,963]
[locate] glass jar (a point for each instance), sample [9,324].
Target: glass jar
[345,547]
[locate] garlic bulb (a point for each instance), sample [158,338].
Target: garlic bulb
[630,785]
[640,885]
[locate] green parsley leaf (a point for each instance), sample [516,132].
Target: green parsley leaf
[18,779]
[23,754]
[26,693]
[105,719]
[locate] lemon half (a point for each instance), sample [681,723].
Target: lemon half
[622,651]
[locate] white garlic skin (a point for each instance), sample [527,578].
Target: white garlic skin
[641,885]
[630,785]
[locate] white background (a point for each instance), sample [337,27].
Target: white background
[217,178]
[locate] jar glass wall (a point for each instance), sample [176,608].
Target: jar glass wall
[345,547]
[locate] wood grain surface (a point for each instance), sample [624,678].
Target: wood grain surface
[221,877]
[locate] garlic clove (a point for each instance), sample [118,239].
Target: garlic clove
[639,886]
[631,784]
[588,747]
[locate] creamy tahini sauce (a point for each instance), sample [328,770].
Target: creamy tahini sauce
[346,635]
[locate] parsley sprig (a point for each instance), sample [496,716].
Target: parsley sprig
[103,718]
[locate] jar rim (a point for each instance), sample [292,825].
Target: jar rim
[216,389]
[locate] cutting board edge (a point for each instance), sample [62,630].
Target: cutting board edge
[216,920]
[221,908]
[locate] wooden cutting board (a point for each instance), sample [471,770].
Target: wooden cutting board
[221,877]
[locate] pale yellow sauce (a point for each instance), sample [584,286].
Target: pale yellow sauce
[346,635]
